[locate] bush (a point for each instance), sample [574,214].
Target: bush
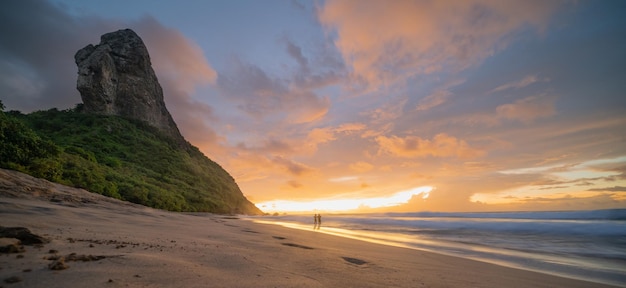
[117,157]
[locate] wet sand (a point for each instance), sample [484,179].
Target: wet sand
[94,241]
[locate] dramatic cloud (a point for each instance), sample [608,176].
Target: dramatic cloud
[382,40]
[174,56]
[181,68]
[441,145]
[38,71]
[324,67]
[516,103]
[263,96]
[37,55]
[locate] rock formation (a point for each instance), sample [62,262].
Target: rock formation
[116,77]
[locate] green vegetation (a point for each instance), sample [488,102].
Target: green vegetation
[117,157]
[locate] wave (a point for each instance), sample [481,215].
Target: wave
[588,244]
[607,214]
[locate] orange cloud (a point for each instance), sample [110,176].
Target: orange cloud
[433,100]
[248,167]
[293,167]
[181,67]
[321,135]
[361,167]
[438,97]
[384,40]
[350,127]
[441,145]
[526,110]
[174,56]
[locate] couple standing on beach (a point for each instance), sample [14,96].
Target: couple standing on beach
[317,219]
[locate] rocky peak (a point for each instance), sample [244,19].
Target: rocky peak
[116,77]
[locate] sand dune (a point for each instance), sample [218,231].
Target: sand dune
[94,241]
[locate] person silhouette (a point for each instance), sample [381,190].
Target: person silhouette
[317,220]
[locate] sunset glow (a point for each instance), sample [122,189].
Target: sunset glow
[337,105]
[345,205]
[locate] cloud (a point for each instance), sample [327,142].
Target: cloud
[562,202]
[36,55]
[440,96]
[269,146]
[294,184]
[317,66]
[263,96]
[526,81]
[361,167]
[327,134]
[293,167]
[174,56]
[181,68]
[610,189]
[350,128]
[274,156]
[344,179]
[306,145]
[320,135]
[38,71]
[527,109]
[433,100]
[385,40]
[441,145]
[388,112]
[296,52]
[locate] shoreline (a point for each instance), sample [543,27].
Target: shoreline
[400,241]
[144,247]
[96,241]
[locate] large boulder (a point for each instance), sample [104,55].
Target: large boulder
[116,77]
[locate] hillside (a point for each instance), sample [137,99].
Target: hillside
[117,157]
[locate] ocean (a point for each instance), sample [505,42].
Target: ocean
[588,245]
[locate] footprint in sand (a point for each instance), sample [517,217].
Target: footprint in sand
[298,246]
[354,261]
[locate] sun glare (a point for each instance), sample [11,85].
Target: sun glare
[338,205]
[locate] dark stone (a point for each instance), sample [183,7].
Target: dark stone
[22,234]
[12,279]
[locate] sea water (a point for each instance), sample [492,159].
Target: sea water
[587,245]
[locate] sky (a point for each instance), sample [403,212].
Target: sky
[365,106]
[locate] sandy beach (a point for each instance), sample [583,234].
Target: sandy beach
[93,241]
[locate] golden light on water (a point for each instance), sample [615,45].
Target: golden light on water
[347,204]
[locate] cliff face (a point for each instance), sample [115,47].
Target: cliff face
[116,77]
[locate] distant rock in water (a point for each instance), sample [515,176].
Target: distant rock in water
[116,77]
